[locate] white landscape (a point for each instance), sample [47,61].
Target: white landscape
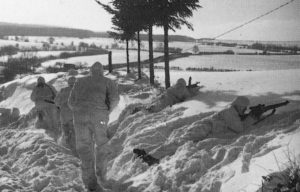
[230,48]
[32,161]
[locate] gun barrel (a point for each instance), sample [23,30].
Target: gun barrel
[274,106]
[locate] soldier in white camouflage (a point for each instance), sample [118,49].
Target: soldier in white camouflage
[43,96]
[66,116]
[92,99]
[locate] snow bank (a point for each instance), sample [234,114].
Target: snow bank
[31,161]
[17,93]
[213,164]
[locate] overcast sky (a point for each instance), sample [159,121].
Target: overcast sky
[216,17]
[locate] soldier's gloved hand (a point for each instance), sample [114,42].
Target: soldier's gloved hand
[257,113]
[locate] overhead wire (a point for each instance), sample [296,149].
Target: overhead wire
[250,21]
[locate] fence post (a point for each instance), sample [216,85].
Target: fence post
[110,68]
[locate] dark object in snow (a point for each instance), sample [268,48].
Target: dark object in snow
[190,85]
[141,153]
[49,101]
[258,110]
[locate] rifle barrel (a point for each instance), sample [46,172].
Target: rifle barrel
[274,106]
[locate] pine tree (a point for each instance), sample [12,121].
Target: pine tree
[172,15]
[123,22]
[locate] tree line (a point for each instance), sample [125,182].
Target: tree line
[131,17]
[276,48]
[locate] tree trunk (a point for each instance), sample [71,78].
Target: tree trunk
[127,55]
[166,55]
[110,67]
[151,66]
[139,55]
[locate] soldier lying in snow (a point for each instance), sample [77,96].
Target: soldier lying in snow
[225,123]
[175,94]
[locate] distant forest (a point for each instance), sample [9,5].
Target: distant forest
[9,29]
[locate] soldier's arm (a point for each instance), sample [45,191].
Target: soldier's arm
[186,94]
[58,98]
[33,96]
[233,121]
[53,90]
[113,95]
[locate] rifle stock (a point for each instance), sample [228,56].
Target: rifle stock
[190,85]
[193,85]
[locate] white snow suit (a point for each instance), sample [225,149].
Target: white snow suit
[91,100]
[66,116]
[43,96]
[226,122]
[175,94]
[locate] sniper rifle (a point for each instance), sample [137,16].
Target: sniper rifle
[258,110]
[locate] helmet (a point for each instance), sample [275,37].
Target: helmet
[181,82]
[97,69]
[241,101]
[41,80]
[71,81]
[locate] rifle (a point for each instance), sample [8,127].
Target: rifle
[51,102]
[190,85]
[258,110]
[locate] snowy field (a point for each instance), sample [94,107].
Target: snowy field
[21,44]
[238,62]
[104,42]
[68,40]
[39,54]
[188,47]
[118,56]
[30,160]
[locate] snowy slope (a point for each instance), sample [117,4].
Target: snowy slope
[30,160]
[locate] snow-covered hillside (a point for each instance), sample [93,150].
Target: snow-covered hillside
[31,161]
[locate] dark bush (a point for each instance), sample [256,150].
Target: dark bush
[97,51]
[229,52]
[209,69]
[8,50]
[8,74]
